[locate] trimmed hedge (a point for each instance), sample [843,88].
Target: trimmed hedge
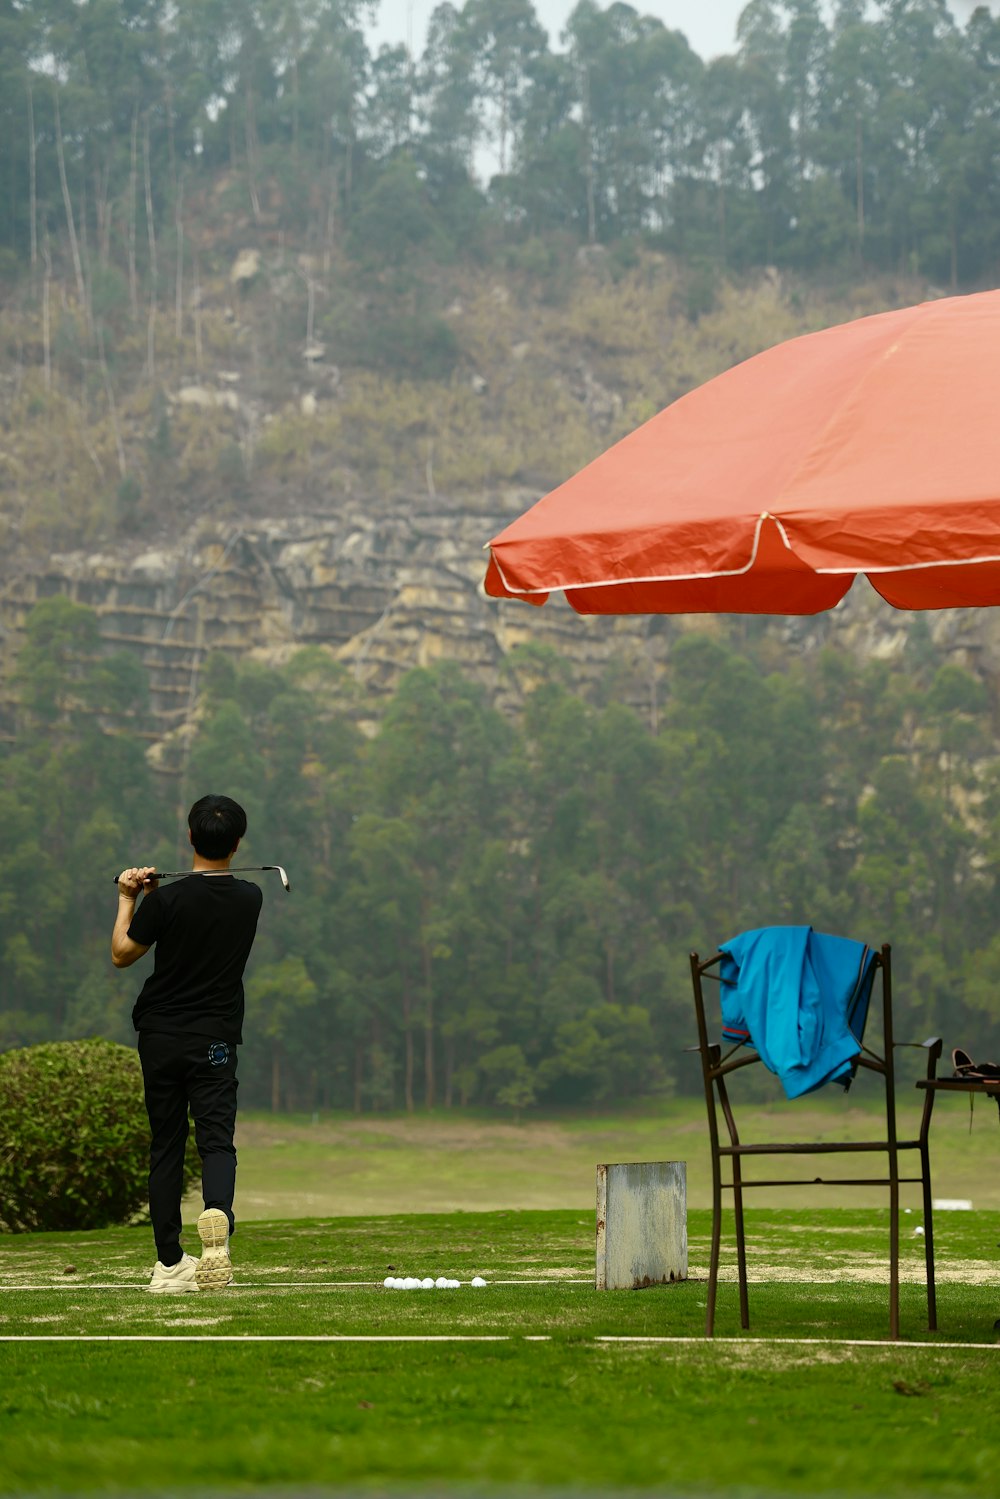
[74,1137]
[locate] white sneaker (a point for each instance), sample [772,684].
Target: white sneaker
[215,1269]
[179,1277]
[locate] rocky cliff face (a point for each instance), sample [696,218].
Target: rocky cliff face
[384,591]
[364,501]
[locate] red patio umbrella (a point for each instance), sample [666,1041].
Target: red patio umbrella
[872,447]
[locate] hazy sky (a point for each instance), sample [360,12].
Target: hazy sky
[709,25]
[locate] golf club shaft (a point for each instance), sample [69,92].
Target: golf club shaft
[177,874]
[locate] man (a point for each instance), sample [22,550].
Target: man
[189,1016]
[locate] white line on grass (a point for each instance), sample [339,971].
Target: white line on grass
[255,1337]
[269,1285]
[244,1285]
[803,1342]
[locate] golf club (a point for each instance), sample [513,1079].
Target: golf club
[177,874]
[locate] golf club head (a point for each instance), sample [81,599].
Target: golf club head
[262,868]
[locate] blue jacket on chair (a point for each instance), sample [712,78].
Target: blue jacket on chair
[801,999]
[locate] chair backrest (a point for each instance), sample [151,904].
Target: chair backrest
[719,1059]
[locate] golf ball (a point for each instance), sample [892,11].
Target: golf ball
[428,1283]
[477,1280]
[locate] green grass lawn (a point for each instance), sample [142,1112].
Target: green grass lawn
[536,1390]
[293,1167]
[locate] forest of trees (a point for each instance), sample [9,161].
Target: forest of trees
[867,139]
[486,909]
[497,911]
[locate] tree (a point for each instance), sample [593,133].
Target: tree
[547,187]
[635,84]
[18,213]
[505,41]
[447,86]
[508,1078]
[53,670]
[280,996]
[395,222]
[390,105]
[763,55]
[713,191]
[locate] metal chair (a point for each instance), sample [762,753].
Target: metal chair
[716,1068]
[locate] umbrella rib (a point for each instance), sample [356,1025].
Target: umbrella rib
[898,337]
[910,567]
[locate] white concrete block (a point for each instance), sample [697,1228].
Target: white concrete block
[641,1225]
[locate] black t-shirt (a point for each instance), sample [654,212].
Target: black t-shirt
[203,927]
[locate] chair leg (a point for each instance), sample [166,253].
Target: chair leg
[741,1243]
[893,1247]
[713,1260]
[925,1175]
[925,1167]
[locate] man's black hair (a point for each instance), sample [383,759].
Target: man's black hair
[217,824]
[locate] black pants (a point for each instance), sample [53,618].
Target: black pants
[178,1072]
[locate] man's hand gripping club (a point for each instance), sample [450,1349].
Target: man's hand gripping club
[130,883]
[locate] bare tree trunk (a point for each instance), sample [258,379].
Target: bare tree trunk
[171,154]
[859,171]
[148,183]
[151,336]
[358,1075]
[84,245]
[375,1043]
[250,134]
[449,1071]
[179,279]
[70,223]
[110,390]
[589,146]
[46,315]
[133,288]
[33,205]
[151,233]
[105,212]
[408,1047]
[331,221]
[276,1078]
[196,298]
[295,108]
[429,1078]
[723,224]
[504,128]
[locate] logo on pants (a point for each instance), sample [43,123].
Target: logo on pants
[218,1053]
